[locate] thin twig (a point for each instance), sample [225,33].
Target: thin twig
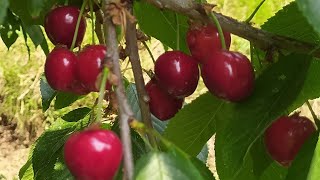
[132,47]
[98,27]
[125,112]
[254,12]
[260,38]
[315,118]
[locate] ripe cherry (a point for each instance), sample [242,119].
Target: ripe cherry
[162,105]
[285,137]
[60,69]
[203,40]
[78,88]
[177,73]
[93,154]
[90,65]
[228,75]
[60,25]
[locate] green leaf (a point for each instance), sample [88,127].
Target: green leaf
[45,159]
[314,167]
[240,125]
[37,37]
[150,17]
[195,123]
[165,166]
[76,114]
[64,100]
[299,168]
[21,10]
[47,93]
[9,28]
[203,169]
[296,27]
[310,9]
[4,4]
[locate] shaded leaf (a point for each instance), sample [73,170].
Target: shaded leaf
[203,169]
[310,9]
[4,4]
[64,100]
[296,27]
[37,37]
[299,168]
[76,114]
[47,93]
[150,17]
[9,28]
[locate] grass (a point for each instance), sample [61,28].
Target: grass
[20,98]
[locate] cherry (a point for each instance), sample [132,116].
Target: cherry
[89,66]
[203,40]
[177,73]
[285,137]
[78,88]
[93,154]
[228,75]
[60,25]
[60,68]
[162,105]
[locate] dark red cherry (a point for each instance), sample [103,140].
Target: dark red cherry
[203,40]
[285,137]
[93,154]
[60,25]
[177,73]
[60,68]
[90,65]
[162,105]
[228,75]
[78,88]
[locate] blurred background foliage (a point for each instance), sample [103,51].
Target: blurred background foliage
[20,99]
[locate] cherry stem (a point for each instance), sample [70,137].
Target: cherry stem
[178,31]
[254,12]
[92,22]
[315,118]
[220,31]
[77,25]
[105,73]
[149,51]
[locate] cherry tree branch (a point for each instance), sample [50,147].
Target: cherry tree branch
[132,49]
[260,38]
[125,112]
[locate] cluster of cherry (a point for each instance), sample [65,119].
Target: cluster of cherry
[228,75]
[64,70]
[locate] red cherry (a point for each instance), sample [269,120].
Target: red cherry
[285,137]
[93,154]
[60,68]
[228,75]
[162,105]
[89,66]
[204,40]
[78,88]
[60,25]
[177,73]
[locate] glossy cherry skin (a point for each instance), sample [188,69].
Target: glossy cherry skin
[60,25]
[228,75]
[177,73]
[204,40]
[93,154]
[285,137]
[60,69]
[78,88]
[162,105]
[89,66]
